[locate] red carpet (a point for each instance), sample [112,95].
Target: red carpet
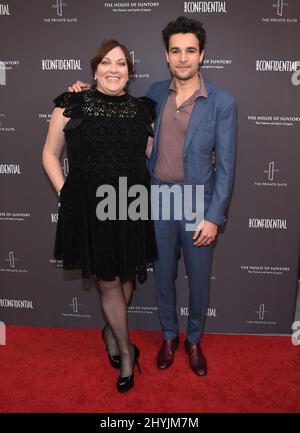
[66,370]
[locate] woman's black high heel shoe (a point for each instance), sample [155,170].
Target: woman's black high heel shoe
[126,383]
[114,360]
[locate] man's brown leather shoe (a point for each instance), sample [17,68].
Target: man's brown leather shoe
[197,359]
[166,353]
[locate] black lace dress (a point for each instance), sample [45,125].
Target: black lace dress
[106,139]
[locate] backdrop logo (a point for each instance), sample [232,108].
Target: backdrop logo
[216,63]
[261,314]
[296,75]
[11,259]
[270,120]
[2,74]
[205,7]
[142,309]
[279,7]
[54,217]
[257,269]
[75,305]
[4,128]
[276,65]
[16,303]
[59,7]
[270,177]
[45,116]
[280,14]
[6,65]
[136,61]
[61,65]
[10,169]
[14,216]
[210,312]
[133,58]
[261,311]
[65,166]
[130,6]
[57,263]
[271,170]
[75,310]
[4,9]
[263,223]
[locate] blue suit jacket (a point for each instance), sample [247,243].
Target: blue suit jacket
[212,126]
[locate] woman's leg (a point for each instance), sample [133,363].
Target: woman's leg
[114,306]
[108,334]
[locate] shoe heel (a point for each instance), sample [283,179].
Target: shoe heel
[138,366]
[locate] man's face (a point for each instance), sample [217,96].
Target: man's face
[184,55]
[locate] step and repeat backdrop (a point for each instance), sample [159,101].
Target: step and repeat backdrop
[252,52]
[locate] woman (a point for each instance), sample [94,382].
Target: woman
[106,131]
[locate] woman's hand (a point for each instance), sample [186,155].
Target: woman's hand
[79,86]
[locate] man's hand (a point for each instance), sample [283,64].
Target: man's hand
[79,86]
[205,233]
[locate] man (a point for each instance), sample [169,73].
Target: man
[195,120]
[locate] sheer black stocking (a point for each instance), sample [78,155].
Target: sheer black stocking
[114,297]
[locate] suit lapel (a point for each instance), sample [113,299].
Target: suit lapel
[200,108]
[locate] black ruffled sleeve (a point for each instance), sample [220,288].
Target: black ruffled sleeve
[149,112]
[72,103]
[149,106]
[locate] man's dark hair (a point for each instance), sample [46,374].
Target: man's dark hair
[184,25]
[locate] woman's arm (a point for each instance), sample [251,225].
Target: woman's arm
[53,147]
[149,144]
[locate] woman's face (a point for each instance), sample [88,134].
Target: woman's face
[112,73]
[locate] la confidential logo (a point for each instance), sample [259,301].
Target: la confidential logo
[61,65]
[10,169]
[210,312]
[205,7]
[276,65]
[4,9]
[16,303]
[264,223]
[54,217]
